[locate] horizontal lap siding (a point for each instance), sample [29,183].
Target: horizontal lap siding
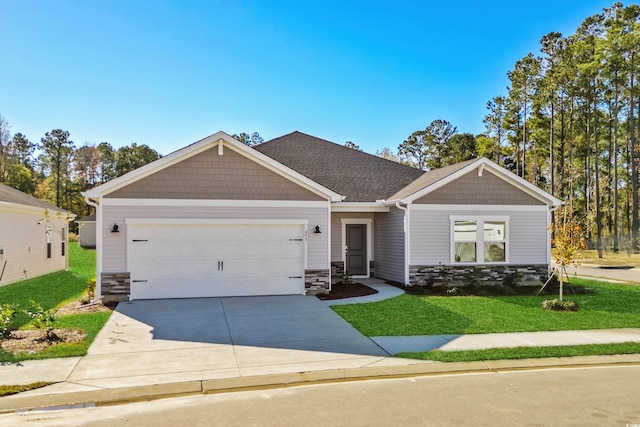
[429,242]
[430,235]
[389,245]
[24,244]
[114,244]
[336,231]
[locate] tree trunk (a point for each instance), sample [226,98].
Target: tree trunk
[634,162]
[551,152]
[616,235]
[596,158]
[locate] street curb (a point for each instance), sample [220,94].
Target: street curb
[112,396]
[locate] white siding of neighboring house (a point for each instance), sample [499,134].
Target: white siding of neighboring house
[114,244]
[430,241]
[336,232]
[389,245]
[23,243]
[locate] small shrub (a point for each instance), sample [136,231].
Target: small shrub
[452,291]
[73,237]
[557,305]
[43,319]
[90,291]
[7,313]
[445,275]
[346,279]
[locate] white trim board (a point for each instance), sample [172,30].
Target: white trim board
[209,221]
[359,207]
[215,203]
[476,208]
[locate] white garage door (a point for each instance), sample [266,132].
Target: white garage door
[212,260]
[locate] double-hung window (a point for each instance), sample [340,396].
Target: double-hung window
[479,240]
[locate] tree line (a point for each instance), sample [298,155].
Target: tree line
[568,123]
[56,171]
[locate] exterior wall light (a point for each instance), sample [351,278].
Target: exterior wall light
[317,229]
[115,228]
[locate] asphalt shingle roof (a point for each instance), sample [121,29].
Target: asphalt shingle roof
[11,195]
[359,176]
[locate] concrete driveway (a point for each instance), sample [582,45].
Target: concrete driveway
[158,341]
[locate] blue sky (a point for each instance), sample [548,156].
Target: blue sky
[168,73]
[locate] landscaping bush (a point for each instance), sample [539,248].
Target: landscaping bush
[7,313]
[557,305]
[43,319]
[90,292]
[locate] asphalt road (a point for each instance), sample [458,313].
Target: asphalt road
[579,396]
[624,275]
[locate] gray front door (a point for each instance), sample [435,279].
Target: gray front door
[356,249]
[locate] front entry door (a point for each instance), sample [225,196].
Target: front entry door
[356,249]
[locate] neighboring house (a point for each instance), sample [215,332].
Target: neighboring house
[33,236]
[219,218]
[87,231]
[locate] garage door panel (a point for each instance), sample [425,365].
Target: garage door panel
[173,261]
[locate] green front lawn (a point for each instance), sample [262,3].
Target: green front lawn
[52,291]
[609,306]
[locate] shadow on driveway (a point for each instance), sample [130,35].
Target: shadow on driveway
[293,322]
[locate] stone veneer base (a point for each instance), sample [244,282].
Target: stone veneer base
[316,282]
[115,287]
[454,275]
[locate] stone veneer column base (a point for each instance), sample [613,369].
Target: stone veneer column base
[337,271]
[458,275]
[116,287]
[316,281]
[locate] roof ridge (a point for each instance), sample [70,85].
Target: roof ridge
[339,145]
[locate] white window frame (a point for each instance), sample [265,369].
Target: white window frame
[479,220]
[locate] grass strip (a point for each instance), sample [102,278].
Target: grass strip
[6,390]
[524,352]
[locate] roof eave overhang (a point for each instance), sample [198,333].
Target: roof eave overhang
[34,209]
[377,206]
[204,144]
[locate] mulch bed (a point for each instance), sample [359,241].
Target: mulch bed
[34,340]
[489,290]
[348,291]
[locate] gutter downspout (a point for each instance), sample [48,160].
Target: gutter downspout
[406,242]
[98,245]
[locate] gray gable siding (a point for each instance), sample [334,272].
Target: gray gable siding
[209,176]
[471,189]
